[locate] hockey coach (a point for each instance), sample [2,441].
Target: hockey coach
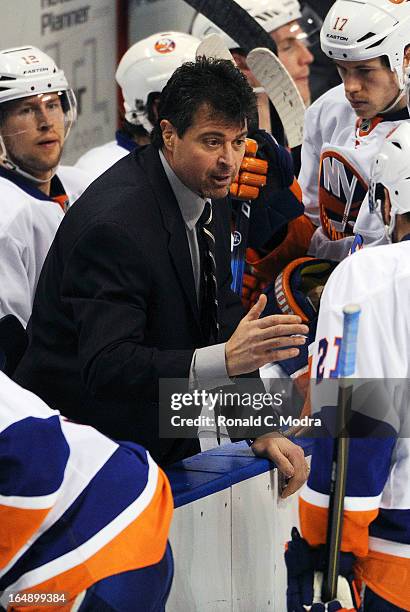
[136,286]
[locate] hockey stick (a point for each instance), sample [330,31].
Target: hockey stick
[214,46]
[235,22]
[351,316]
[240,241]
[281,91]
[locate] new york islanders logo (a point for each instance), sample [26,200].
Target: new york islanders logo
[341,193]
[164,45]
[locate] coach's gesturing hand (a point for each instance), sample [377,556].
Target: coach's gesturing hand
[256,341]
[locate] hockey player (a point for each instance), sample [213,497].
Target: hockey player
[37,110]
[293,29]
[142,74]
[369,41]
[376,537]
[84,520]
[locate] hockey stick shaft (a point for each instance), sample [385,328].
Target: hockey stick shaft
[239,249]
[235,22]
[351,316]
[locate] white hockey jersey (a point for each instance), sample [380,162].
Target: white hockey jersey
[28,222]
[75,506]
[376,524]
[99,159]
[337,154]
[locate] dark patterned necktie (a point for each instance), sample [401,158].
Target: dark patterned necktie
[208,298]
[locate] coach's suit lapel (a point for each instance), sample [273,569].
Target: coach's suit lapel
[174,224]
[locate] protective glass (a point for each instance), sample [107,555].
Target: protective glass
[309,24]
[304,30]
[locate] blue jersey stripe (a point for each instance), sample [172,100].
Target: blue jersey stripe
[393,525]
[373,455]
[27,447]
[117,485]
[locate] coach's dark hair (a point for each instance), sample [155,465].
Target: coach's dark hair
[218,83]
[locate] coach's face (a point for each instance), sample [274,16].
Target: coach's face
[208,156]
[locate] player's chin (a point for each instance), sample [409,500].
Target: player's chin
[364,110]
[52,158]
[47,165]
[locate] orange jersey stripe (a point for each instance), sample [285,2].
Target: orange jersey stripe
[296,190]
[313,522]
[148,535]
[22,524]
[388,576]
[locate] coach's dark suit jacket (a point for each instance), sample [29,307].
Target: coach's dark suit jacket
[115,308]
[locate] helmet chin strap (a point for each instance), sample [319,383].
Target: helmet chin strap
[10,165]
[402,93]
[139,118]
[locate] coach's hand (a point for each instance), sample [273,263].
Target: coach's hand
[256,341]
[288,457]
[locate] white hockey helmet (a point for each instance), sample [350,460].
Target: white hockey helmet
[27,71]
[147,66]
[270,14]
[359,30]
[391,172]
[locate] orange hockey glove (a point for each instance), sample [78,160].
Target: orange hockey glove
[252,174]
